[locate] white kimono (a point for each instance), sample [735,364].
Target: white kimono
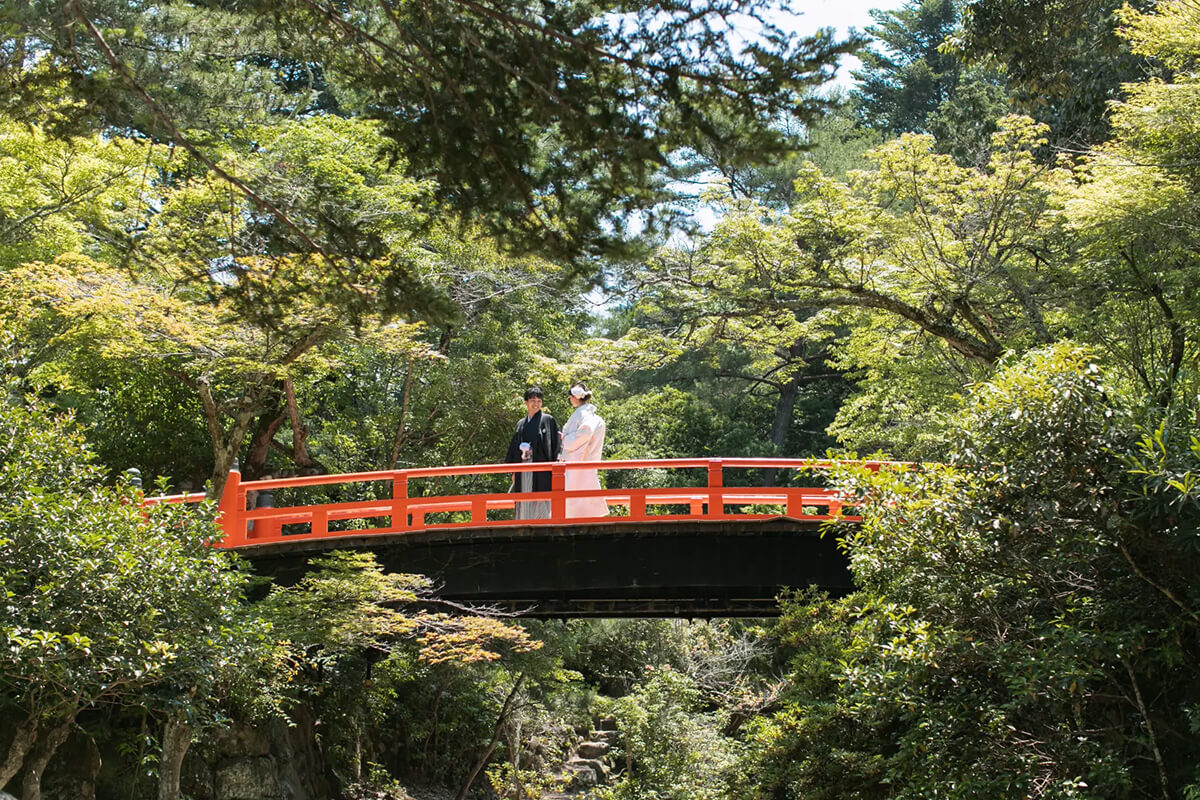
[583,439]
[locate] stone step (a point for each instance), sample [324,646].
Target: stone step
[609,737]
[592,749]
[599,768]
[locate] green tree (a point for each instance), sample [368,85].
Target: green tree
[109,604]
[911,83]
[932,269]
[347,622]
[1025,615]
[672,751]
[1063,59]
[1134,210]
[906,76]
[76,194]
[550,125]
[208,300]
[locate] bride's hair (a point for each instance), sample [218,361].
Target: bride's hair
[587,393]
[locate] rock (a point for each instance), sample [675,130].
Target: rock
[248,779]
[299,766]
[597,767]
[580,776]
[608,737]
[592,749]
[77,763]
[196,781]
[241,741]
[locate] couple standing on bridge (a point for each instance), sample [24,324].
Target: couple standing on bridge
[538,439]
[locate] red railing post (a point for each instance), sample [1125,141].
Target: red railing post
[320,521]
[558,485]
[795,504]
[716,497]
[637,505]
[232,510]
[400,501]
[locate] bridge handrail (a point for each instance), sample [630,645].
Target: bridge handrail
[407,513]
[545,466]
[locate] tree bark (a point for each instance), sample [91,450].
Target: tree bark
[1149,726]
[260,445]
[31,786]
[87,784]
[785,409]
[23,741]
[299,430]
[401,430]
[514,747]
[177,737]
[1177,333]
[985,353]
[491,748]
[225,447]
[225,452]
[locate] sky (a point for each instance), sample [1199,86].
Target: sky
[806,17]
[809,15]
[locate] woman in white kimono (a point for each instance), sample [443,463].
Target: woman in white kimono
[583,439]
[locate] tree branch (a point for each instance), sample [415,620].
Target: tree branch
[177,135]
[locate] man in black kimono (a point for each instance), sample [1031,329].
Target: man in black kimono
[536,439]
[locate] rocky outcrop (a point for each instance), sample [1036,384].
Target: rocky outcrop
[588,764]
[247,779]
[275,761]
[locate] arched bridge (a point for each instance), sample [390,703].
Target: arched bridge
[681,538]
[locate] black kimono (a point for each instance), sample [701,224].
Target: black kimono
[541,431]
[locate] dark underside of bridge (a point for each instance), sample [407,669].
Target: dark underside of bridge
[724,568]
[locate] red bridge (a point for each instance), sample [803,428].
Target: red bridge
[682,542]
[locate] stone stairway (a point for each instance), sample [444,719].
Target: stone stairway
[588,766]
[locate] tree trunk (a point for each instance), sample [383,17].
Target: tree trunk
[514,747]
[401,430]
[91,771]
[299,430]
[431,742]
[225,447]
[31,786]
[491,748]
[177,737]
[22,742]
[785,409]
[225,451]
[785,406]
[356,770]
[260,445]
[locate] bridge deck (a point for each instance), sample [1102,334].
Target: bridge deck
[691,568]
[699,550]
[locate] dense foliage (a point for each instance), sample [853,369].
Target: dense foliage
[333,238]
[547,123]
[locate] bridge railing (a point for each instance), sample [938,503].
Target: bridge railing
[249,523]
